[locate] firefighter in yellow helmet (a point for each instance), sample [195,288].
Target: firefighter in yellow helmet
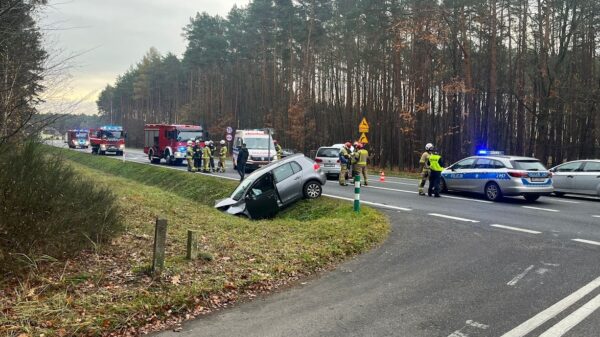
[222,156]
[189,156]
[345,158]
[361,162]
[206,154]
[424,165]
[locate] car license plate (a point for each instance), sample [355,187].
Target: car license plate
[329,165]
[538,179]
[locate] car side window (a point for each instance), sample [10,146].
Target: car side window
[296,167]
[464,164]
[283,172]
[569,167]
[497,164]
[483,163]
[263,184]
[592,166]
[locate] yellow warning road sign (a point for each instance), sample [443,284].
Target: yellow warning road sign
[363,127]
[363,139]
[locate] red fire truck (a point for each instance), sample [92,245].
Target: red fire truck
[169,141]
[108,138]
[78,138]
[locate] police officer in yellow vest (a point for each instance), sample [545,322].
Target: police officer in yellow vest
[424,164]
[436,165]
[222,156]
[361,162]
[189,156]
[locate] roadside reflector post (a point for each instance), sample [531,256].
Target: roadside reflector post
[192,245]
[160,238]
[357,193]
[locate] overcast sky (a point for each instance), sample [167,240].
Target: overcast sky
[108,36]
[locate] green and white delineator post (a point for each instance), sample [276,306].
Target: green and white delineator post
[357,193]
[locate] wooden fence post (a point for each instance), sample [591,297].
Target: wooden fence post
[192,245]
[160,238]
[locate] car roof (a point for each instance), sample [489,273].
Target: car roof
[505,157]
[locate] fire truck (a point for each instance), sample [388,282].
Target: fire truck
[108,138]
[79,138]
[169,141]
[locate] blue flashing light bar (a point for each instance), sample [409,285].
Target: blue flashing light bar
[489,153]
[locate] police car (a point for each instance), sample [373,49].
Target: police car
[496,175]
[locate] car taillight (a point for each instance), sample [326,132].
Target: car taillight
[517,174]
[316,167]
[319,160]
[338,161]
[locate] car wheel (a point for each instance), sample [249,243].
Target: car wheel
[531,197]
[493,192]
[312,190]
[559,194]
[443,186]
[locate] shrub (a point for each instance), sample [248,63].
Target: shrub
[47,209]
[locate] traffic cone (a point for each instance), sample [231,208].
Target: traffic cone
[382,177]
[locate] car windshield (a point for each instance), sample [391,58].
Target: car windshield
[186,135]
[239,191]
[81,135]
[112,134]
[328,152]
[259,143]
[528,165]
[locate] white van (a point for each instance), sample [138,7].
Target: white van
[261,148]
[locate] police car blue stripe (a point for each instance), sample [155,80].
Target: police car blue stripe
[477,175]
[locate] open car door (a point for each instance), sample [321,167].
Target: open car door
[261,198]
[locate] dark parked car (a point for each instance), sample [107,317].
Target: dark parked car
[274,186]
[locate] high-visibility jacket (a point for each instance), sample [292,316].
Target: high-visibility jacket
[206,153]
[279,151]
[434,163]
[190,152]
[344,155]
[223,152]
[362,156]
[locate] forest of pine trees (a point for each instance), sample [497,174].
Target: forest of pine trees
[522,76]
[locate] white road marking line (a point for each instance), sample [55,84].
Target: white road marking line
[595,216]
[368,203]
[477,324]
[415,192]
[396,182]
[595,243]
[452,217]
[541,209]
[518,278]
[542,317]
[573,319]
[516,229]
[566,201]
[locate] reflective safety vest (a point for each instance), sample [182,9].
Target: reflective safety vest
[434,163]
[363,155]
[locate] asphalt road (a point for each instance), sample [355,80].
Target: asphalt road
[457,266]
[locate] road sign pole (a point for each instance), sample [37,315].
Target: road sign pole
[357,193]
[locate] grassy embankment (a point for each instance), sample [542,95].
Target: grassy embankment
[108,290]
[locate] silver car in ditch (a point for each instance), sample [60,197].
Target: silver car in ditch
[497,176]
[264,192]
[577,177]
